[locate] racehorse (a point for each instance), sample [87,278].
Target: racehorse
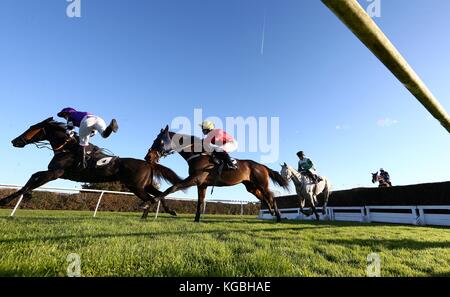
[307,190]
[136,175]
[204,172]
[382,183]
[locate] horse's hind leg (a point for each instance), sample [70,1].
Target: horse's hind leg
[302,205]
[271,201]
[258,194]
[36,180]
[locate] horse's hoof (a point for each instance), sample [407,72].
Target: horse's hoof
[173,213]
[144,207]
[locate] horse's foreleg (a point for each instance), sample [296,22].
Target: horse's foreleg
[201,191]
[302,205]
[257,193]
[36,180]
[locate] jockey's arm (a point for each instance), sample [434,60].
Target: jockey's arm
[70,129]
[207,144]
[306,165]
[70,125]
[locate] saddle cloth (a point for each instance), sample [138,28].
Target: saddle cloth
[98,157]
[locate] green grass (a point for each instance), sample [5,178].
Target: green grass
[36,243]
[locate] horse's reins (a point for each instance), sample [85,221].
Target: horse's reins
[42,144]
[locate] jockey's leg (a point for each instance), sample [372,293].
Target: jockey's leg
[105,131]
[86,128]
[312,176]
[222,153]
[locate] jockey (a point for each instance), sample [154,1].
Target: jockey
[88,125]
[385,176]
[219,142]
[306,167]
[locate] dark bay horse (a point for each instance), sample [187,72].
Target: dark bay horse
[203,171]
[136,175]
[382,183]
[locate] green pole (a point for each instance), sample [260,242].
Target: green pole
[363,26]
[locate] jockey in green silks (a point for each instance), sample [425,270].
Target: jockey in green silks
[306,167]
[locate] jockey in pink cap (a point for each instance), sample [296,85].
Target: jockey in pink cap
[219,142]
[88,125]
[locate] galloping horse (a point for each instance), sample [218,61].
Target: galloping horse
[382,183]
[203,171]
[307,190]
[136,175]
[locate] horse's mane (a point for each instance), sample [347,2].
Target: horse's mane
[59,125]
[187,140]
[194,139]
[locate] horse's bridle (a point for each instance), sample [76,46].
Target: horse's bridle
[42,144]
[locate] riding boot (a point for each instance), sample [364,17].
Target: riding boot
[313,177]
[228,161]
[113,127]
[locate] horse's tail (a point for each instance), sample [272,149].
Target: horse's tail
[278,179]
[327,190]
[166,174]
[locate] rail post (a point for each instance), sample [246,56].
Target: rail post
[98,203]
[17,206]
[157,209]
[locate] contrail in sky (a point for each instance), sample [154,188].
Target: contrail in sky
[263,33]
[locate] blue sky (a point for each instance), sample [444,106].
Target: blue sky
[147,62]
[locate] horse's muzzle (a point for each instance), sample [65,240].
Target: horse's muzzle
[18,142]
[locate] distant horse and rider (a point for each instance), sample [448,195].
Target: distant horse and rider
[383,178]
[308,185]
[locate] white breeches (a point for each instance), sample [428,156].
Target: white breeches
[90,125]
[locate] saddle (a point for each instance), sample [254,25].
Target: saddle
[310,179]
[221,164]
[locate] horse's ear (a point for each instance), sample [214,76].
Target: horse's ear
[166,129]
[285,164]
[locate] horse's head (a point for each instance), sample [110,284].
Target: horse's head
[286,173]
[33,134]
[374,177]
[161,147]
